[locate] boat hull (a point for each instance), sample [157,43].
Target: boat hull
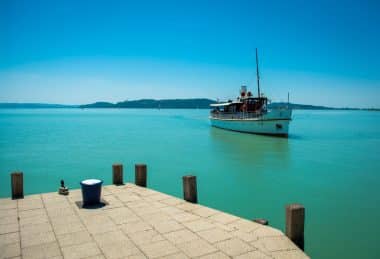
[266,125]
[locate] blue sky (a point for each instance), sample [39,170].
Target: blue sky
[322,52]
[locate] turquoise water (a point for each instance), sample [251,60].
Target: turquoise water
[330,163]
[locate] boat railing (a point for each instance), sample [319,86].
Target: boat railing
[235,115]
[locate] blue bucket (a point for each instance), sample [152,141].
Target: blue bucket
[91,191]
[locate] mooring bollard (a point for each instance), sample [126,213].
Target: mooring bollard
[261,221]
[140,175]
[17,182]
[190,188]
[117,174]
[295,224]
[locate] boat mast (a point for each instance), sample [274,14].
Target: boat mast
[257,75]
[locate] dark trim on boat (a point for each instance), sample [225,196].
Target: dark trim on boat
[245,120]
[280,135]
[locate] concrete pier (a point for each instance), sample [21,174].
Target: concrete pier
[135,222]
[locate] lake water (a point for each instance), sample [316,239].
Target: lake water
[330,163]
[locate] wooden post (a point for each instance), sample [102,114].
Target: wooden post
[117,174]
[17,183]
[140,175]
[190,188]
[295,224]
[261,221]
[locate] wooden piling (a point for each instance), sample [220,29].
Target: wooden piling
[261,221]
[190,188]
[17,184]
[140,175]
[295,224]
[117,174]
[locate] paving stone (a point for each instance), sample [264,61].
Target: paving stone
[225,227]
[64,219]
[61,212]
[100,256]
[43,218]
[8,228]
[175,256]
[9,238]
[146,236]
[134,227]
[75,238]
[271,244]
[49,250]
[118,249]
[253,255]
[184,217]
[7,204]
[36,228]
[205,212]
[158,249]
[197,247]
[245,236]
[292,254]
[112,202]
[156,217]
[214,235]
[198,225]
[167,226]
[144,192]
[57,205]
[144,210]
[8,213]
[8,220]
[171,210]
[110,237]
[32,213]
[138,256]
[172,201]
[120,219]
[245,225]
[187,206]
[159,197]
[265,231]
[100,224]
[180,236]
[234,247]
[33,239]
[138,204]
[217,255]
[223,218]
[81,250]
[158,205]
[30,204]
[68,227]
[127,197]
[10,250]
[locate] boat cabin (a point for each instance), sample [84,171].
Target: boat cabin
[247,104]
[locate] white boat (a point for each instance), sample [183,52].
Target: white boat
[251,114]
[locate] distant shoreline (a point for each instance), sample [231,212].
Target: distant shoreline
[196,103]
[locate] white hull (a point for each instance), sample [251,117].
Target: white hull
[274,122]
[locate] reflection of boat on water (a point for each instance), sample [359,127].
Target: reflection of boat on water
[251,114]
[251,151]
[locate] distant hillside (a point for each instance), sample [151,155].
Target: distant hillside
[34,105]
[296,106]
[200,103]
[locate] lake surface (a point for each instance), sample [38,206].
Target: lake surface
[330,163]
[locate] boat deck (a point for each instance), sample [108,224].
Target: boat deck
[134,222]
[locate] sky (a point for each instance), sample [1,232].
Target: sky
[76,52]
